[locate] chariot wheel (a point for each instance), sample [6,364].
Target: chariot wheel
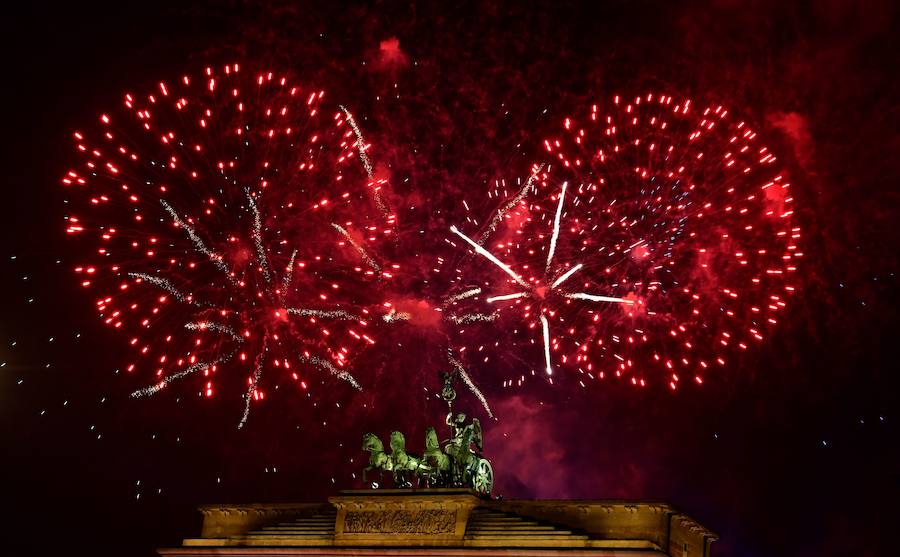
[483,477]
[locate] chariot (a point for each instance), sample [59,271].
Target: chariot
[455,462]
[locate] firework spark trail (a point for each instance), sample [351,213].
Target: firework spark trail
[337,314]
[472,318]
[254,382]
[367,164]
[555,236]
[258,239]
[566,275]
[511,204]
[457,365]
[395,316]
[155,388]
[215,258]
[288,276]
[545,329]
[462,296]
[360,142]
[503,297]
[361,250]
[166,284]
[490,257]
[596,298]
[331,368]
[214,326]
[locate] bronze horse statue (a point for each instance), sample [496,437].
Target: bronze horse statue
[378,459]
[406,467]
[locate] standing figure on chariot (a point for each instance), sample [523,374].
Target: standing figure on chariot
[459,447]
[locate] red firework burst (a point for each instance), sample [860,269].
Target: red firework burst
[654,240]
[232,217]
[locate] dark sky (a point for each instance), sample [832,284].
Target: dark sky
[795,453]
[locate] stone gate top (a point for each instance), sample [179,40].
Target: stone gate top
[446,522]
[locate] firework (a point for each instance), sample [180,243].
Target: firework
[656,240]
[231,219]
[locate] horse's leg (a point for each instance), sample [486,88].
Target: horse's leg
[402,467]
[422,471]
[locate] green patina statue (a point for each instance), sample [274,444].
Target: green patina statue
[378,459]
[457,462]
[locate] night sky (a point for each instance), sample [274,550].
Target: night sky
[793,451]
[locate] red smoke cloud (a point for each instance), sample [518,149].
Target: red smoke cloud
[390,56]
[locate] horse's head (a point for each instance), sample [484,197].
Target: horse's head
[398,442]
[372,443]
[431,440]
